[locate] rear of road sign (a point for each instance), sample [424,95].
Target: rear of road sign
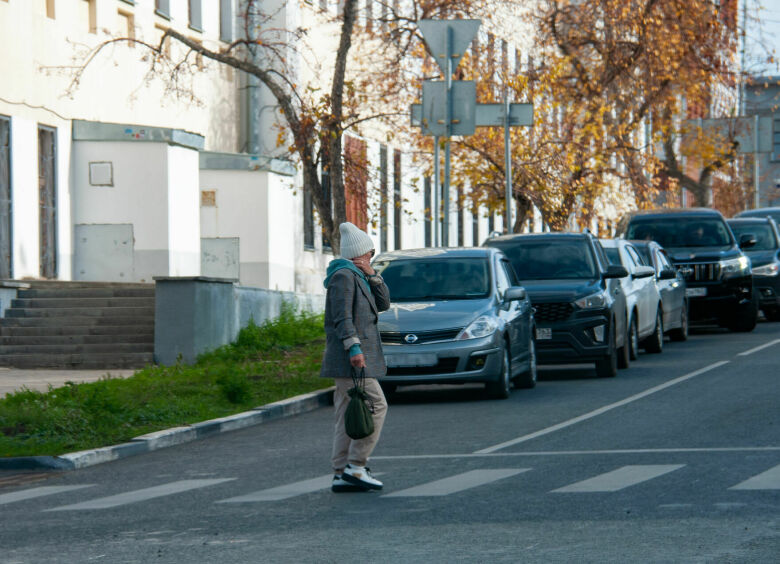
[433,114]
[435,35]
[489,115]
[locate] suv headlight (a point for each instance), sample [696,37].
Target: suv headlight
[732,268]
[594,301]
[771,269]
[482,326]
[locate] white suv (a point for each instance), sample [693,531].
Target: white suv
[643,300]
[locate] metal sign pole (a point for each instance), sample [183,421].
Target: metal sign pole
[509,227]
[436,192]
[755,163]
[445,238]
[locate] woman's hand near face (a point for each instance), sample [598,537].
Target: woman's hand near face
[364,264]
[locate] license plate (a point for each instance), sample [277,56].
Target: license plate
[394,360]
[543,333]
[695,292]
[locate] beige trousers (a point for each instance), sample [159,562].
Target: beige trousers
[346,450]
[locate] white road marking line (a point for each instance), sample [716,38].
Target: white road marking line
[602,410]
[32,493]
[284,492]
[769,480]
[142,495]
[620,479]
[578,452]
[458,483]
[765,345]
[675,506]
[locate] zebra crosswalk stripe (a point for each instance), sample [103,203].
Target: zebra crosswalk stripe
[458,483]
[141,495]
[620,479]
[284,492]
[32,493]
[769,480]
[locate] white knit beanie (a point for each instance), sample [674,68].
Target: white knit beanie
[354,241]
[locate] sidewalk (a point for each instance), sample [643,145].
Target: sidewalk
[14,379]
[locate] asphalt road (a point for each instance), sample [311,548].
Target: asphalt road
[675,460]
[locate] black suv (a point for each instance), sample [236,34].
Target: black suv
[580,308]
[703,248]
[765,260]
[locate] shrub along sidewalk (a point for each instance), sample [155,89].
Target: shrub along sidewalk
[268,363]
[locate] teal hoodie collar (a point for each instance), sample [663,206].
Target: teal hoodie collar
[337,264]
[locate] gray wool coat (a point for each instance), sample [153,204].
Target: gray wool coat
[351,314]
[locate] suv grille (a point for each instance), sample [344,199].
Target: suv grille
[395,338]
[553,312]
[445,366]
[701,272]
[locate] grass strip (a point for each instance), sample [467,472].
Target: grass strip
[267,363]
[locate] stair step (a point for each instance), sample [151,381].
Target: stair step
[76,349]
[58,321]
[86,361]
[81,312]
[80,302]
[80,292]
[78,330]
[48,340]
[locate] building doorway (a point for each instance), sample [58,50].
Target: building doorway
[6,231]
[47,183]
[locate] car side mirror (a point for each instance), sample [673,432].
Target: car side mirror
[643,272]
[667,274]
[616,271]
[514,293]
[747,240]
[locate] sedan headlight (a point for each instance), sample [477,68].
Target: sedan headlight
[594,301]
[482,326]
[732,268]
[771,269]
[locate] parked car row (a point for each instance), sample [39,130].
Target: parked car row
[491,314]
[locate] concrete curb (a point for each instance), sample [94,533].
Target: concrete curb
[174,436]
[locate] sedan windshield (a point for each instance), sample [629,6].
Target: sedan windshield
[437,279]
[674,232]
[765,238]
[551,259]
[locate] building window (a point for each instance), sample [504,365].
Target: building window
[6,231]
[428,211]
[47,182]
[87,16]
[226,20]
[356,181]
[383,198]
[324,5]
[475,226]
[50,13]
[326,198]
[397,198]
[126,25]
[195,15]
[491,222]
[461,215]
[308,220]
[369,15]
[163,8]
[776,140]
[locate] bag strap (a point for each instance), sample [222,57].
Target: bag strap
[359,381]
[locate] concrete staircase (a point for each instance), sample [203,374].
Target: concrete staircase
[75,325]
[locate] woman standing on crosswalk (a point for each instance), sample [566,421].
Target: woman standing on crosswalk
[355,296]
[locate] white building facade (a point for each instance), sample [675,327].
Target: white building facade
[121,179]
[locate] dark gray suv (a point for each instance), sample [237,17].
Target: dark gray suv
[457,316]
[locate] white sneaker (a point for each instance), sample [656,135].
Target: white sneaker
[361,476]
[340,485]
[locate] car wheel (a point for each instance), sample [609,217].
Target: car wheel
[388,389]
[681,334]
[607,367]
[528,379]
[745,319]
[500,389]
[772,314]
[655,342]
[623,356]
[633,339]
